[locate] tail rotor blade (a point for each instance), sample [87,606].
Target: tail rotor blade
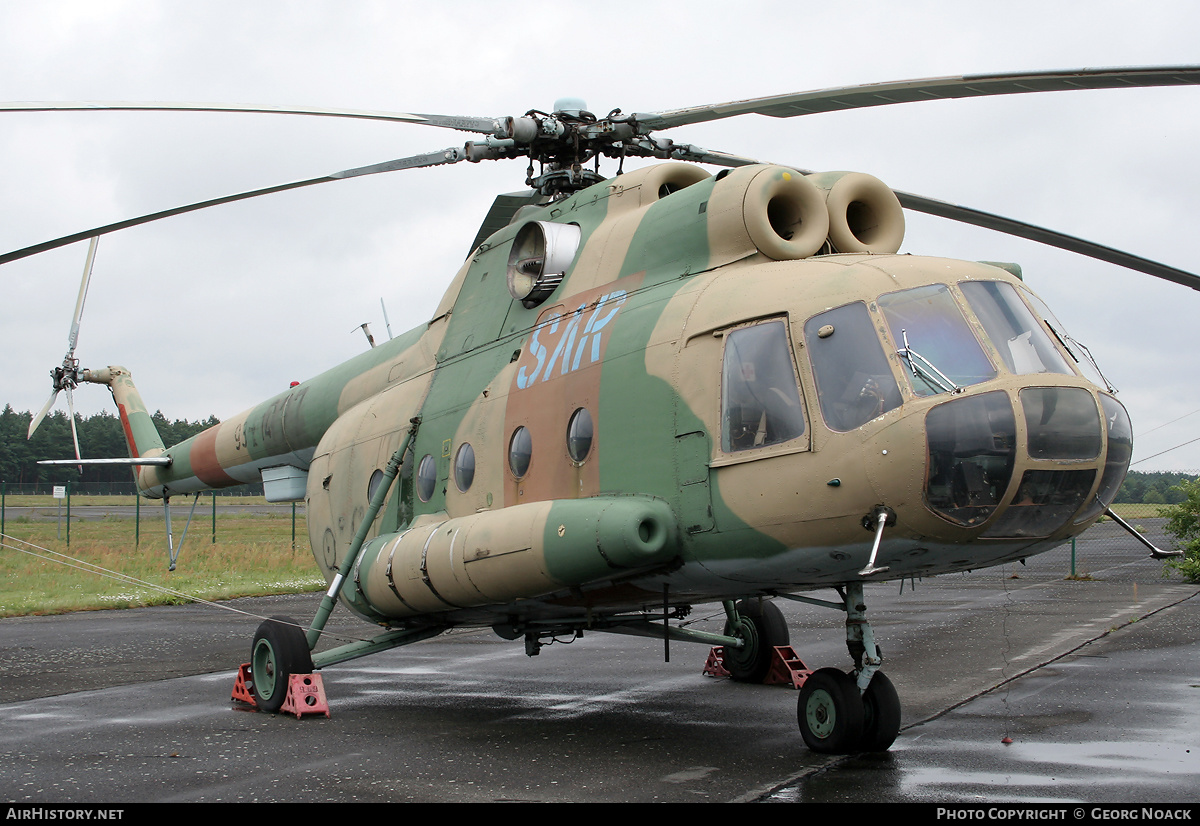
[83,288]
[74,433]
[37,420]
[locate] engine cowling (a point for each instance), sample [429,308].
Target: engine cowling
[519,552]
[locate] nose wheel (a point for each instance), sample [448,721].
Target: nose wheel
[881,714]
[830,712]
[835,718]
[842,713]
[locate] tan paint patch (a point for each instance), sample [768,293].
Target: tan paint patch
[204,461]
[358,443]
[231,450]
[602,257]
[604,254]
[451,295]
[728,238]
[483,427]
[406,365]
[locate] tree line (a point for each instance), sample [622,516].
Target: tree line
[100,437]
[1158,488]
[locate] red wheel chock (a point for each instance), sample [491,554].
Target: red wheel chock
[715,666]
[305,694]
[241,686]
[786,668]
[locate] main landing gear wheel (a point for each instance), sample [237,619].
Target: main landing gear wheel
[830,712]
[280,650]
[761,625]
[881,714]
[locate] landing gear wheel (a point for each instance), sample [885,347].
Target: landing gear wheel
[830,712]
[280,650]
[762,625]
[881,714]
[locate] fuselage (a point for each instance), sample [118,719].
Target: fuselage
[760,409]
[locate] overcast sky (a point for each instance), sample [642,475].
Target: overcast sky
[216,311]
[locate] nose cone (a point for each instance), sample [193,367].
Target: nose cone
[1052,460]
[1063,441]
[1004,473]
[972,447]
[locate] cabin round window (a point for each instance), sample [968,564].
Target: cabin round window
[464,466]
[520,452]
[373,484]
[426,477]
[579,435]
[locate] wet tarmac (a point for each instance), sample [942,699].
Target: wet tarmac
[1096,683]
[1117,721]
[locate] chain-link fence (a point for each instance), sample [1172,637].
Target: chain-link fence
[1107,552]
[124,488]
[210,517]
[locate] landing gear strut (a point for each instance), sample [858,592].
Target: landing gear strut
[842,713]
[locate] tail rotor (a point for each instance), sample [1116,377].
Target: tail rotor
[68,375]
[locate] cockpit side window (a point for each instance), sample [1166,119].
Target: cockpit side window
[1021,341]
[854,382]
[760,401]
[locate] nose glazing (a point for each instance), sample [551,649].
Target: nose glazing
[975,450]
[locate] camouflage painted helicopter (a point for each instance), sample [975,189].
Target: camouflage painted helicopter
[669,388]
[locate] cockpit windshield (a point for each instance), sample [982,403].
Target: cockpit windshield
[934,340]
[1083,357]
[1021,341]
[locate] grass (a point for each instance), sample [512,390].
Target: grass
[252,556]
[1137,511]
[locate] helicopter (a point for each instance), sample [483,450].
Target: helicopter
[666,388]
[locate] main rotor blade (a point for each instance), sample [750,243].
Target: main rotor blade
[967,215]
[486,126]
[936,88]
[446,156]
[652,148]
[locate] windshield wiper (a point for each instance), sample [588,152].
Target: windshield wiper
[924,368]
[1071,345]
